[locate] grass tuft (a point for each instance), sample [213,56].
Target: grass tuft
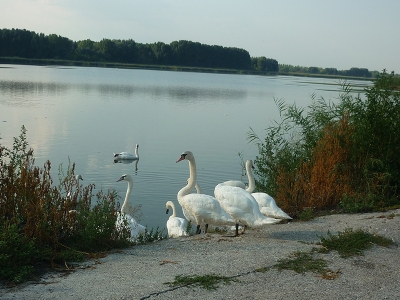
[349,242]
[302,262]
[151,236]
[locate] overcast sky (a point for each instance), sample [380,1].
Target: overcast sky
[322,33]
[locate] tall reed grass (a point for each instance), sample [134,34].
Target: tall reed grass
[342,155]
[43,223]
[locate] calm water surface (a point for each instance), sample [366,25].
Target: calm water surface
[85,114]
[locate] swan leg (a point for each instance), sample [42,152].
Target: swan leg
[237,229]
[206,228]
[198,230]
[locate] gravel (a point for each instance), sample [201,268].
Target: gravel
[141,272]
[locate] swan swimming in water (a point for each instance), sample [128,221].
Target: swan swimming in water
[205,209]
[265,202]
[127,155]
[126,210]
[176,226]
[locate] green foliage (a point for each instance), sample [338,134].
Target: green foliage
[349,243]
[352,72]
[18,254]
[28,44]
[151,236]
[264,64]
[208,282]
[190,228]
[344,153]
[357,203]
[302,262]
[307,214]
[41,222]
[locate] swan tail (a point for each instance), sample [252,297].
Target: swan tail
[266,221]
[283,215]
[275,214]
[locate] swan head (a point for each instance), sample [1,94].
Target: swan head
[188,155]
[116,154]
[125,177]
[137,146]
[78,176]
[249,163]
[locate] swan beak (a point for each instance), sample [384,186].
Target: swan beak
[122,178]
[181,158]
[167,211]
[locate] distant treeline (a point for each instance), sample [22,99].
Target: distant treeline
[25,44]
[30,45]
[354,72]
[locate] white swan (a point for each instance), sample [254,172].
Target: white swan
[265,202]
[241,206]
[127,155]
[176,226]
[205,209]
[187,214]
[268,206]
[126,211]
[238,183]
[197,187]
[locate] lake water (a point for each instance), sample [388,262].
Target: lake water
[85,114]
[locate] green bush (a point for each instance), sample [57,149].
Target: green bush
[43,224]
[344,154]
[17,254]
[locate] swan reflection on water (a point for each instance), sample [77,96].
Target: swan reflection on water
[126,161]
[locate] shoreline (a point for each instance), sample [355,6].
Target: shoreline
[73,63]
[141,272]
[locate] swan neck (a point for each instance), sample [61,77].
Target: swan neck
[126,206]
[252,184]
[173,209]
[198,189]
[191,181]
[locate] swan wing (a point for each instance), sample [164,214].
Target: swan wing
[236,183]
[268,206]
[125,155]
[241,206]
[205,209]
[177,227]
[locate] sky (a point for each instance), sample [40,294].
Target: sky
[337,34]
